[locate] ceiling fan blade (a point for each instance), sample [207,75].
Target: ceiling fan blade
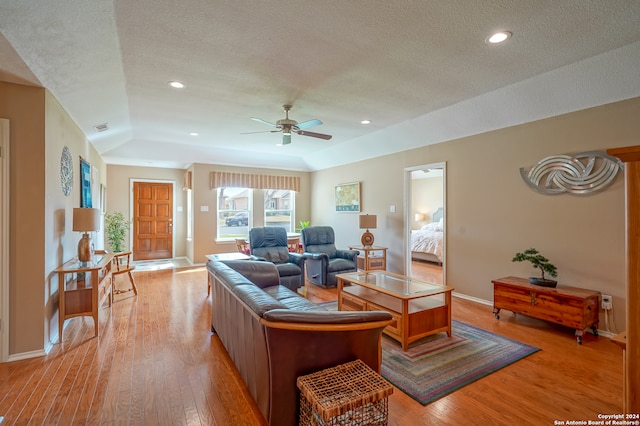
[263,131]
[260,120]
[286,139]
[309,123]
[315,135]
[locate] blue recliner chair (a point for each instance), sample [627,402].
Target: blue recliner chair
[270,243]
[323,261]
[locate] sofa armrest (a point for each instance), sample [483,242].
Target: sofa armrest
[326,318]
[296,349]
[297,258]
[348,254]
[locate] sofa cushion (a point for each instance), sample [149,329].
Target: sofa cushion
[340,265]
[262,274]
[288,269]
[257,299]
[290,299]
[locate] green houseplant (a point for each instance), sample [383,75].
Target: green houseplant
[116,227]
[538,261]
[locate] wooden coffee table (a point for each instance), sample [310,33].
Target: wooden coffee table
[418,308]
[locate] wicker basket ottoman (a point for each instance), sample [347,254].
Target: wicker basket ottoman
[348,394]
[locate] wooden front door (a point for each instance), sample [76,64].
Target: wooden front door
[152,220]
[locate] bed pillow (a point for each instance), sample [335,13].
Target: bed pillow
[430,227]
[440,225]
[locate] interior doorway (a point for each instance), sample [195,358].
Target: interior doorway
[152,220]
[425,189]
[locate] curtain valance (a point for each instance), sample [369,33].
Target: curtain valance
[245,180]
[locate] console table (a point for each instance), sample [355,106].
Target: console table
[83,297]
[570,306]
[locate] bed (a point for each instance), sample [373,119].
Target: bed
[426,242]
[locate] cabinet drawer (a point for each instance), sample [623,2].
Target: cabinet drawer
[396,325]
[351,303]
[376,263]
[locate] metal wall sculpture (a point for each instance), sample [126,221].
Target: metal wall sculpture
[580,173]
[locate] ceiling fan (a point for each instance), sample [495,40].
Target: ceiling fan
[287,126]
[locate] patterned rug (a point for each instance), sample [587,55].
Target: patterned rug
[438,365]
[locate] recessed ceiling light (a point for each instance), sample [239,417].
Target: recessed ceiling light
[176,84]
[365,122]
[499,37]
[193,133]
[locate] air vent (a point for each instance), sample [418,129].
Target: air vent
[101,127]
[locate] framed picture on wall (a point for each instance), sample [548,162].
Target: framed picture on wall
[348,197]
[85,183]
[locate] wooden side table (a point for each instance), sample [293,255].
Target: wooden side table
[371,258]
[84,297]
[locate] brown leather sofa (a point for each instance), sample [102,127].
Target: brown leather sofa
[273,335]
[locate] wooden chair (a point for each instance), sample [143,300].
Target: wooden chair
[122,265]
[294,244]
[243,246]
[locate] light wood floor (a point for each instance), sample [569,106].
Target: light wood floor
[156,362]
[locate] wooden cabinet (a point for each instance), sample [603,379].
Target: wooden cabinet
[88,287]
[570,306]
[371,258]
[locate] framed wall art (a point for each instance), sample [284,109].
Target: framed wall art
[85,183]
[348,197]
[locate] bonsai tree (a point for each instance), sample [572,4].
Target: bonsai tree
[116,227]
[538,261]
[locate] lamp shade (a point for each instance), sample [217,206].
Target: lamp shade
[86,219]
[419,217]
[368,221]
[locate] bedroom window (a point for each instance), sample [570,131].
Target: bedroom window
[278,208]
[234,213]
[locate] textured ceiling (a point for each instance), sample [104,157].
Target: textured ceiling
[419,70]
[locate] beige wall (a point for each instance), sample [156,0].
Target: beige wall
[203,240]
[24,106]
[41,237]
[492,214]
[60,242]
[119,193]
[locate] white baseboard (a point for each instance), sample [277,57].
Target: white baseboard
[27,355]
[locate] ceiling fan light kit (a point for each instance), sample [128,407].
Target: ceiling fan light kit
[288,126]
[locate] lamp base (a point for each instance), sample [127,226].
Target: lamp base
[367,239]
[85,248]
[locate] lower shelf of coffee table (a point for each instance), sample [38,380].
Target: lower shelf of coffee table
[424,316]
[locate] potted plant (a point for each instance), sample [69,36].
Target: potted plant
[116,227]
[539,262]
[303,224]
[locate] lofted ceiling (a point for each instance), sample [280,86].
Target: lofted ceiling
[398,63]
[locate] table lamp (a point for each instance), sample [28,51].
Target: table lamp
[367,221]
[85,220]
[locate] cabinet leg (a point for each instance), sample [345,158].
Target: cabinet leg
[594,329]
[579,336]
[496,312]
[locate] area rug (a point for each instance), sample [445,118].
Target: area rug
[438,365]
